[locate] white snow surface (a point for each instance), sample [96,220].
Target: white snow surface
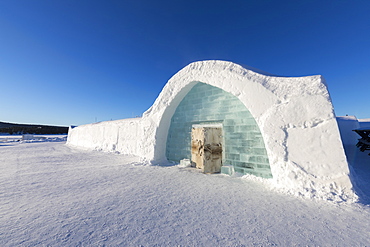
[55,195]
[346,126]
[295,116]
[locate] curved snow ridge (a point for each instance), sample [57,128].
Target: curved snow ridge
[294,114]
[279,85]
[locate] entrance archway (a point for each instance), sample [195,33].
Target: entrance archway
[244,148]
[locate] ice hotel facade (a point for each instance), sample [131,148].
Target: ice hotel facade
[278,128]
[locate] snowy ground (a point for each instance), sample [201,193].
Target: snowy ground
[54,195]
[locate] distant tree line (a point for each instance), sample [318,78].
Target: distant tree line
[43,130]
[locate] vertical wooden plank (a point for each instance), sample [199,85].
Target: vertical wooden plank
[197,147]
[212,150]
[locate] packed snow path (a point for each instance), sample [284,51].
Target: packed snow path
[53,195]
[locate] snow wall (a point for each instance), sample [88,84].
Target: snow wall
[294,114]
[346,126]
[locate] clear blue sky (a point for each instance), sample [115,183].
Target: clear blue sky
[70,62]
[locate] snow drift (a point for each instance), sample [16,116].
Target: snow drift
[295,116]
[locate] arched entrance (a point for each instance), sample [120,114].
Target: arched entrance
[243,145]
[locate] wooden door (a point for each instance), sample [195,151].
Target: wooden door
[206,148]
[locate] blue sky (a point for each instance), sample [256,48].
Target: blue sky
[73,62]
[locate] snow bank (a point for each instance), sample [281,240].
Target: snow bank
[124,136]
[364,123]
[295,116]
[346,126]
[349,138]
[32,138]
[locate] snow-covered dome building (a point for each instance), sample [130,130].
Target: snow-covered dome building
[279,128]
